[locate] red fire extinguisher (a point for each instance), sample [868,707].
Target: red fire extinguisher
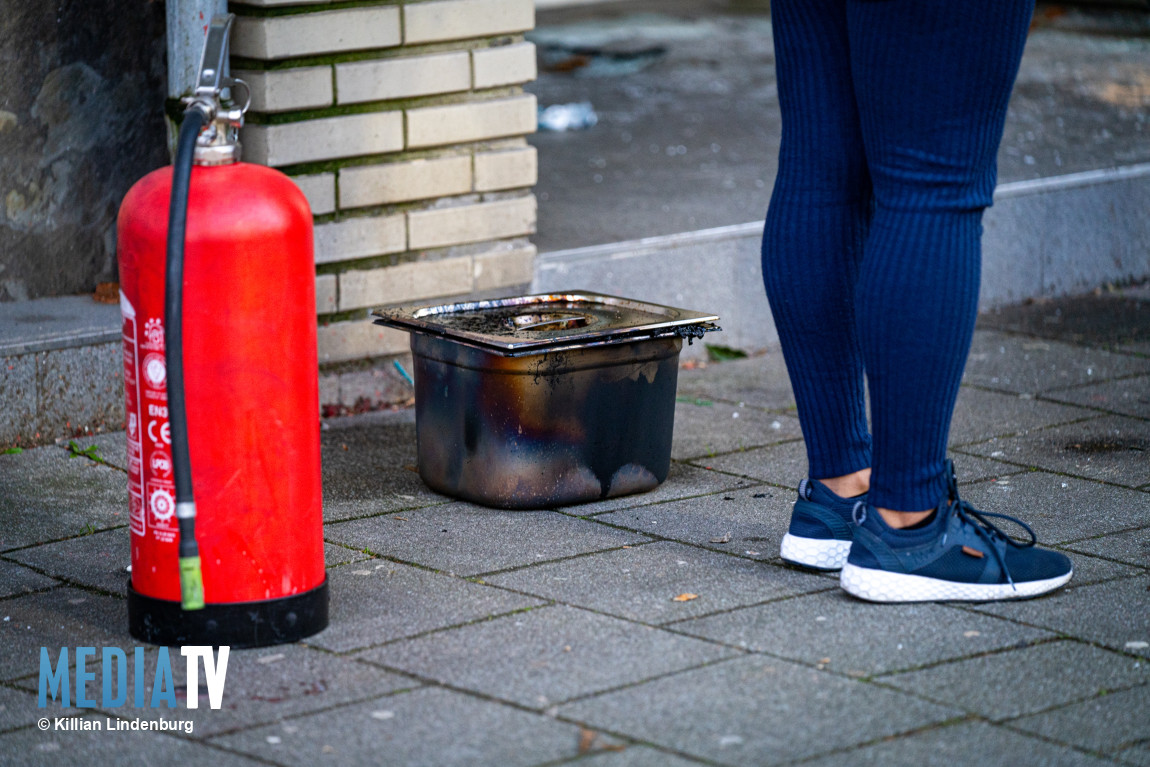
[221,385]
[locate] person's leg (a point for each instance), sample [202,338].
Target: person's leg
[812,245]
[815,228]
[932,80]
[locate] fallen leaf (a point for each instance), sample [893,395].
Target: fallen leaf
[685,597]
[586,739]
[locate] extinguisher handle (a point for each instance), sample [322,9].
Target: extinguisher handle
[214,63]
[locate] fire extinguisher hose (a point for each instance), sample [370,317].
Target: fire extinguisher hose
[191,574]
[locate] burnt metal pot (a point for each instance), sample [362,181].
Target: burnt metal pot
[543,401]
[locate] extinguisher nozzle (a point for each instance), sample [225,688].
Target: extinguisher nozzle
[191,584]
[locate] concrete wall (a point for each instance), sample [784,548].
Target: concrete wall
[81,119]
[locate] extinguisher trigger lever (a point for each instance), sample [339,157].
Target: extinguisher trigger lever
[216,99]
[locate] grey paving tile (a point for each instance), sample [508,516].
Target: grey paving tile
[784,464]
[759,381]
[1128,396]
[962,743]
[430,726]
[267,685]
[15,579]
[546,656]
[1027,365]
[1088,570]
[640,583]
[1138,755]
[369,466]
[467,540]
[98,560]
[45,496]
[1115,614]
[335,555]
[30,746]
[112,447]
[1025,681]
[1132,546]
[374,602]
[755,710]
[634,756]
[1061,509]
[980,415]
[683,481]
[706,430]
[971,469]
[19,708]
[1111,448]
[1107,724]
[858,638]
[63,617]
[754,525]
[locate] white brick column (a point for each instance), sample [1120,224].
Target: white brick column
[403,123]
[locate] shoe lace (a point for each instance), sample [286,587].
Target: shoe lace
[983,527]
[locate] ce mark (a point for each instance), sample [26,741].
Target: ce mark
[165,432]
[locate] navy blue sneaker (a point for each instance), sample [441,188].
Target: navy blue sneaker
[959,555]
[820,533]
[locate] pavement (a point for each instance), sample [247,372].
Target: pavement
[462,635]
[689,125]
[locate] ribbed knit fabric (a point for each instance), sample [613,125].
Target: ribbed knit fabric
[892,115]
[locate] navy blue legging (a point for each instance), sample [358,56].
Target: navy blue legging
[892,115]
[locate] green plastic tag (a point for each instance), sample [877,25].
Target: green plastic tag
[191,584]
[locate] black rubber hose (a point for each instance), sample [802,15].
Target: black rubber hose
[190,128]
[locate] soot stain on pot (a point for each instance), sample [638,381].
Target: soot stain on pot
[544,430]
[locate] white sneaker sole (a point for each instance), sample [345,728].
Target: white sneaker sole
[883,586]
[817,553]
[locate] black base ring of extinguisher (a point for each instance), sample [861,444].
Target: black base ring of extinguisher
[236,624]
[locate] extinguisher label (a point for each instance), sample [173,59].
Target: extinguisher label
[136,517]
[151,485]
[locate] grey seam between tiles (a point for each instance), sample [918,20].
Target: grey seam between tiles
[694,459]
[1045,395]
[63,582]
[1060,635]
[945,723]
[98,460]
[4,553]
[570,511]
[432,682]
[1033,469]
[1023,433]
[1012,727]
[428,682]
[1103,412]
[388,513]
[1015,717]
[350,653]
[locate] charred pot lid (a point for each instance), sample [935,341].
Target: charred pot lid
[522,325]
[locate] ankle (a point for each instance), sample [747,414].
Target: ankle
[849,485]
[900,520]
